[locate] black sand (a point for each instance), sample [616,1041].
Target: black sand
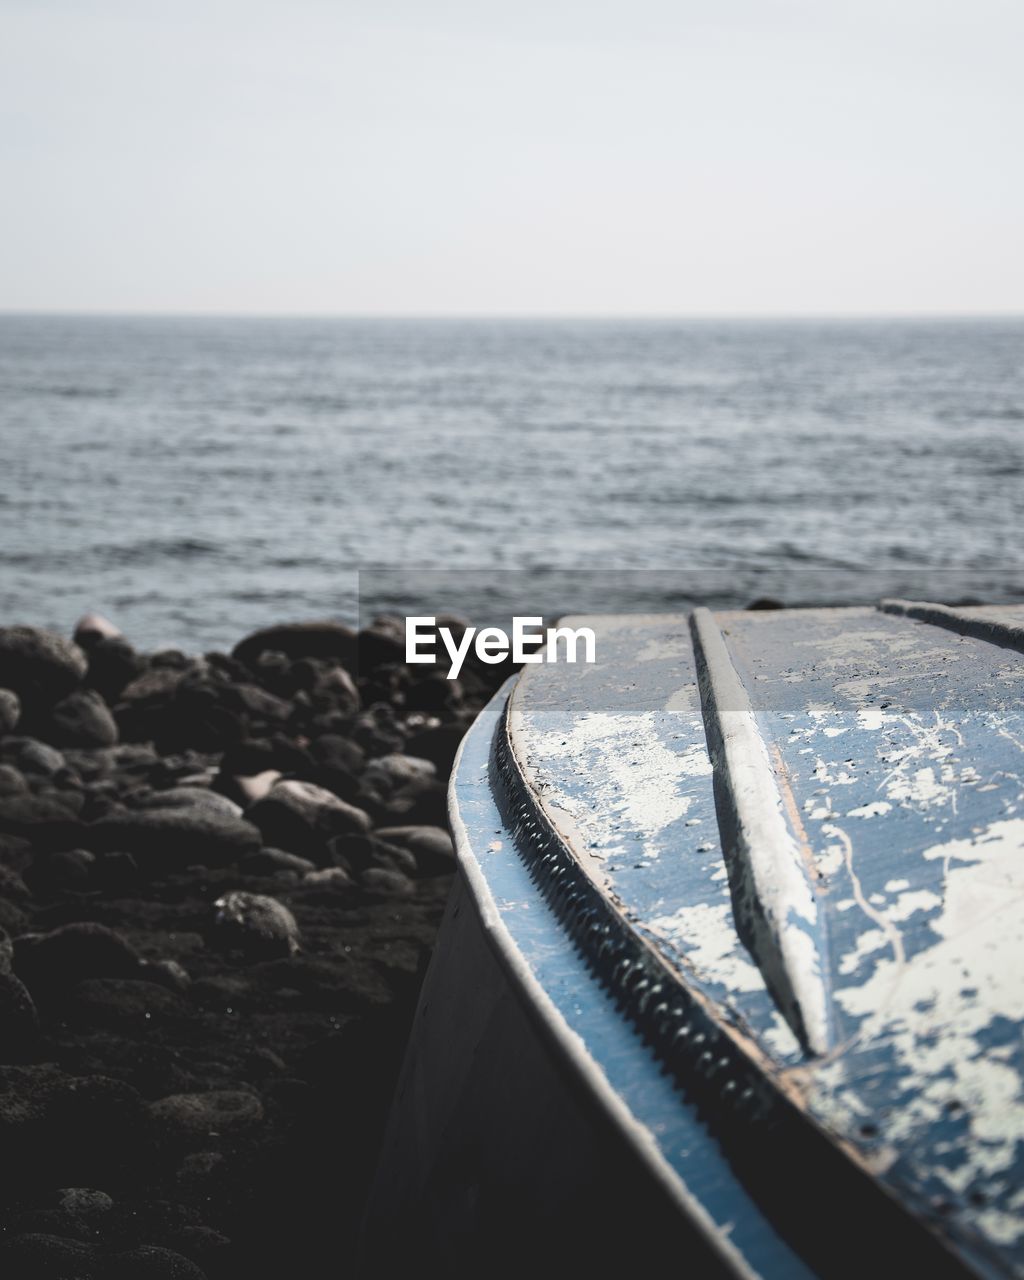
[194,1081]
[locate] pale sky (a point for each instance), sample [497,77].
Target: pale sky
[653,157]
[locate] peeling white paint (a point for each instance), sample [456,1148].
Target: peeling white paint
[631,770]
[874,810]
[868,943]
[707,936]
[934,1009]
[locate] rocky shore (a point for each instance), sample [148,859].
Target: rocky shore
[220,879]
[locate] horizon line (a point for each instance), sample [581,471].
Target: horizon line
[526,316]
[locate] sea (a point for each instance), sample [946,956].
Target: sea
[196,478]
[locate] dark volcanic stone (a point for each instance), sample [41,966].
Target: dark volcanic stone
[332,879]
[175,837]
[254,924]
[439,746]
[151,1262]
[113,665]
[19,1022]
[65,871]
[72,953]
[116,872]
[355,853]
[376,731]
[201,1115]
[198,798]
[122,1003]
[32,756]
[12,885]
[82,720]
[257,704]
[167,973]
[49,819]
[84,1202]
[330,687]
[157,684]
[389,883]
[269,861]
[300,640]
[12,783]
[381,644]
[301,818]
[338,752]
[61,1129]
[436,695]
[40,1256]
[394,858]
[39,666]
[12,918]
[432,847]
[388,774]
[10,710]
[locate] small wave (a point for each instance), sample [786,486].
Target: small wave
[151,549]
[79,393]
[1009,414]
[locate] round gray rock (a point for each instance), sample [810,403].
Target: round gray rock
[10,710]
[39,664]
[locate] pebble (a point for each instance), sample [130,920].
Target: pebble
[19,1021]
[82,719]
[434,695]
[12,918]
[329,877]
[385,881]
[116,872]
[93,627]
[39,666]
[258,926]
[301,817]
[67,871]
[122,1003]
[72,953]
[269,861]
[381,644]
[176,837]
[394,858]
[199,1168]
[432,847]
[29,755]
[300,640]
[12,783]
[150,1262]
[204,1115]
[338,752]
[387,774]
[84,1202]
[201,799]
[168,973]
[10,710]
[439,746]
[39,1256]
[252,787]
[113,665]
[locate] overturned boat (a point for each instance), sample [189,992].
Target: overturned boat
[732,976]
